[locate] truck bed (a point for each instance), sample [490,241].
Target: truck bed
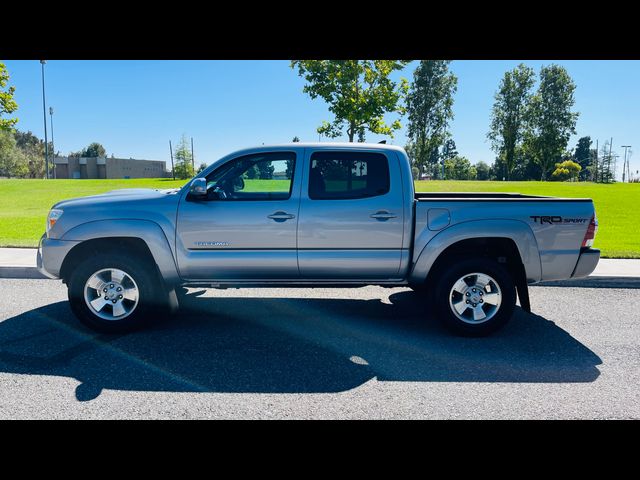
[485,196]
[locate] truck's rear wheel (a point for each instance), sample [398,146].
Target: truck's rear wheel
[475,297]
[113,293]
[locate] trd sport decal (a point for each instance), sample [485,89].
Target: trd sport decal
[542,219]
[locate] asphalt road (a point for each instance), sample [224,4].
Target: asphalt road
[321,353]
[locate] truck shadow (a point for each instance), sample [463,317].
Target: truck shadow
[288,345]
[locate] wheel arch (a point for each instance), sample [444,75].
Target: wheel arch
[137,237]
[498,238]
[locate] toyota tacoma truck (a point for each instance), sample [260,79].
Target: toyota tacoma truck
[313,215]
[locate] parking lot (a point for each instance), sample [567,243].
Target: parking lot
[321,353]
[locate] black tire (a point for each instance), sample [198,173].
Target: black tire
[152,294]
[445,282]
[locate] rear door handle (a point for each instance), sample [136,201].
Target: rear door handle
[382,215]
[281,216]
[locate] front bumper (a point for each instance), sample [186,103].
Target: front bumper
[51,254]
[587,262]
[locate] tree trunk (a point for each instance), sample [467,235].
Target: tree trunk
[351,131]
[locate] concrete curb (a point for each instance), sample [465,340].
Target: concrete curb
[20,263]
[594,282]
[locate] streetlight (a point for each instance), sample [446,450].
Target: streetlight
[53,150]
[44,116]
[624,164]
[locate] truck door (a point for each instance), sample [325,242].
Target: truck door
[351,215]
[246,226]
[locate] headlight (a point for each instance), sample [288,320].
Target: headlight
[53,217]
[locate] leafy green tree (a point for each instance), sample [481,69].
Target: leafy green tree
[449,149]
[252,173]
[509,115]
[7,104]
[459,168]
[567,170]
[13,162]
[582,156]
[94,150]
[482,171]
[415,173]
[265,170]
[183,167]
[429,110]
[552,122]
[7,152]
[33,149]
[201,168]
[358,92]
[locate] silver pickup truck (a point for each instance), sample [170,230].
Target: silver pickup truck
[311,215]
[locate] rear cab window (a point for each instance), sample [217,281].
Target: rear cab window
[345,175]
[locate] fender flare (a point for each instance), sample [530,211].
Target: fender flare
[146,230]
[516,230]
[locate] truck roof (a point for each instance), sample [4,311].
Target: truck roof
[321,145]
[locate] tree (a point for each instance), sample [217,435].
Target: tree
[13,162]
[295,139]
[551,120]
[482,171]
[94,150]
[183,168]
[449,149]
[7,104]
[359,94]
[201,167]
[605,170]
[265,170]
[567,170]
[429,110]
[582,156]
[509,115]
[7,153]
[33,149]
[459,168]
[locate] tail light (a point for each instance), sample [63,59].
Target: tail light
[591,232]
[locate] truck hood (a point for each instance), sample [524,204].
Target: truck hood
[116,196]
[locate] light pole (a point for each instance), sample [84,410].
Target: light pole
[44,116]
[624,163]
[53,149]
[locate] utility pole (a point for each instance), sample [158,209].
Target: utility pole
[44,116]
[624,162]
[609,174]
[595,174]
[53,149]
[193,161]
[173,172]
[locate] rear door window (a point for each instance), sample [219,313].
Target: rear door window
[348,175]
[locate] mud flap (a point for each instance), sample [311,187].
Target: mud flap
[523,289]
[173,303]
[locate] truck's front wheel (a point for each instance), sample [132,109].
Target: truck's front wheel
[475,296]
[113,293]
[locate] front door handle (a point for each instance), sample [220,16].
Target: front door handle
[382,215]
[281,216]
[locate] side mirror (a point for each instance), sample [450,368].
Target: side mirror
[198,187]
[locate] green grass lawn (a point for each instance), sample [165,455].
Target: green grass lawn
[24,204]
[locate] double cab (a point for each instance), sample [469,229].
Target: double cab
[313,215]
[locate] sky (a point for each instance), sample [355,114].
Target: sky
[134,108]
